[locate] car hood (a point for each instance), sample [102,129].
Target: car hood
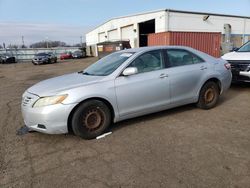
[237,56]
[59,84]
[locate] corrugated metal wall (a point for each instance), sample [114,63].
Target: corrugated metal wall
[203,41]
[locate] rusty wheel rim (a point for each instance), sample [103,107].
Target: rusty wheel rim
[209,95]
[93,119]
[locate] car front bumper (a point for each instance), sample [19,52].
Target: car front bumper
[51,119]
[240,71]
[241,76]
[38,62]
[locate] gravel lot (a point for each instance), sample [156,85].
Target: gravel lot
[182,147]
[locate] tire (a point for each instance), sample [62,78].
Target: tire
[91,119]
[49,61]
[209,96]
[55,61]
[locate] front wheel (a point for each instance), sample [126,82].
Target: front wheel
[209,95]
[91,119]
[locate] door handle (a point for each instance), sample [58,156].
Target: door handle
[163,75]
[203,68]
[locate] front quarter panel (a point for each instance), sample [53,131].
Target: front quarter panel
[104,90]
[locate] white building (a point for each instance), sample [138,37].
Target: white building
[136,27]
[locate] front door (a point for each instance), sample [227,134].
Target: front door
[148,90]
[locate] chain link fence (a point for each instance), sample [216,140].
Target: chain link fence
[26,54]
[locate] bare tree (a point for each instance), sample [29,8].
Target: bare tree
[50,44]
[12,46]
[79,45]
[23,46]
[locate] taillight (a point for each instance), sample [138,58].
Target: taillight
[227,66]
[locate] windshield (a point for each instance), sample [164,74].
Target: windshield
[245,47]
[108,64]
[41,54]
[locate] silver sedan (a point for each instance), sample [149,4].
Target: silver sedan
[124,85]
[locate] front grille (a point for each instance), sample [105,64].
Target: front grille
[29,99]
[240,65]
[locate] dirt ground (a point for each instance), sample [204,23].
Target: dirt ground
[182,147]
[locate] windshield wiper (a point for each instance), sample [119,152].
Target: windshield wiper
[89,74]
[86,73]
[83,72]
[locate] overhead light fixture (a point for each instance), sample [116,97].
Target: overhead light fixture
[205,17]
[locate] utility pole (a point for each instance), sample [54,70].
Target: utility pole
[81,40]
[22,41]
[47,44]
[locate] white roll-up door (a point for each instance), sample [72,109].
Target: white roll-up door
[128,34]
[101,37]
[113,35]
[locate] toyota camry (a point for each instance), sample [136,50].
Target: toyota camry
[124,85]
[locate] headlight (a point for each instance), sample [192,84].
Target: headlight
[46,101]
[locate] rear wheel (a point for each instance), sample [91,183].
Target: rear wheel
[91,119]
[209,95]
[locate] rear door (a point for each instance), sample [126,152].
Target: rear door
[148,90]
[185,73]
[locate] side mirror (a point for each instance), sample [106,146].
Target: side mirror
[130,71]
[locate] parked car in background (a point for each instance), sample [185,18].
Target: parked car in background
[78,54]
[43,58]
[124,85]
[240,63]
[66,55]
[7,58]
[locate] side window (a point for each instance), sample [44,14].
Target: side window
[178,57]
[149,61]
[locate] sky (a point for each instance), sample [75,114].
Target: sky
[68,20]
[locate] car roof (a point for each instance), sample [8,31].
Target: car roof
[148,48]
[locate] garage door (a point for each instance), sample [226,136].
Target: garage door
[128,34]
[113,35]
[101,37]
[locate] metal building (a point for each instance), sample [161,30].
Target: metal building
[235,30]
